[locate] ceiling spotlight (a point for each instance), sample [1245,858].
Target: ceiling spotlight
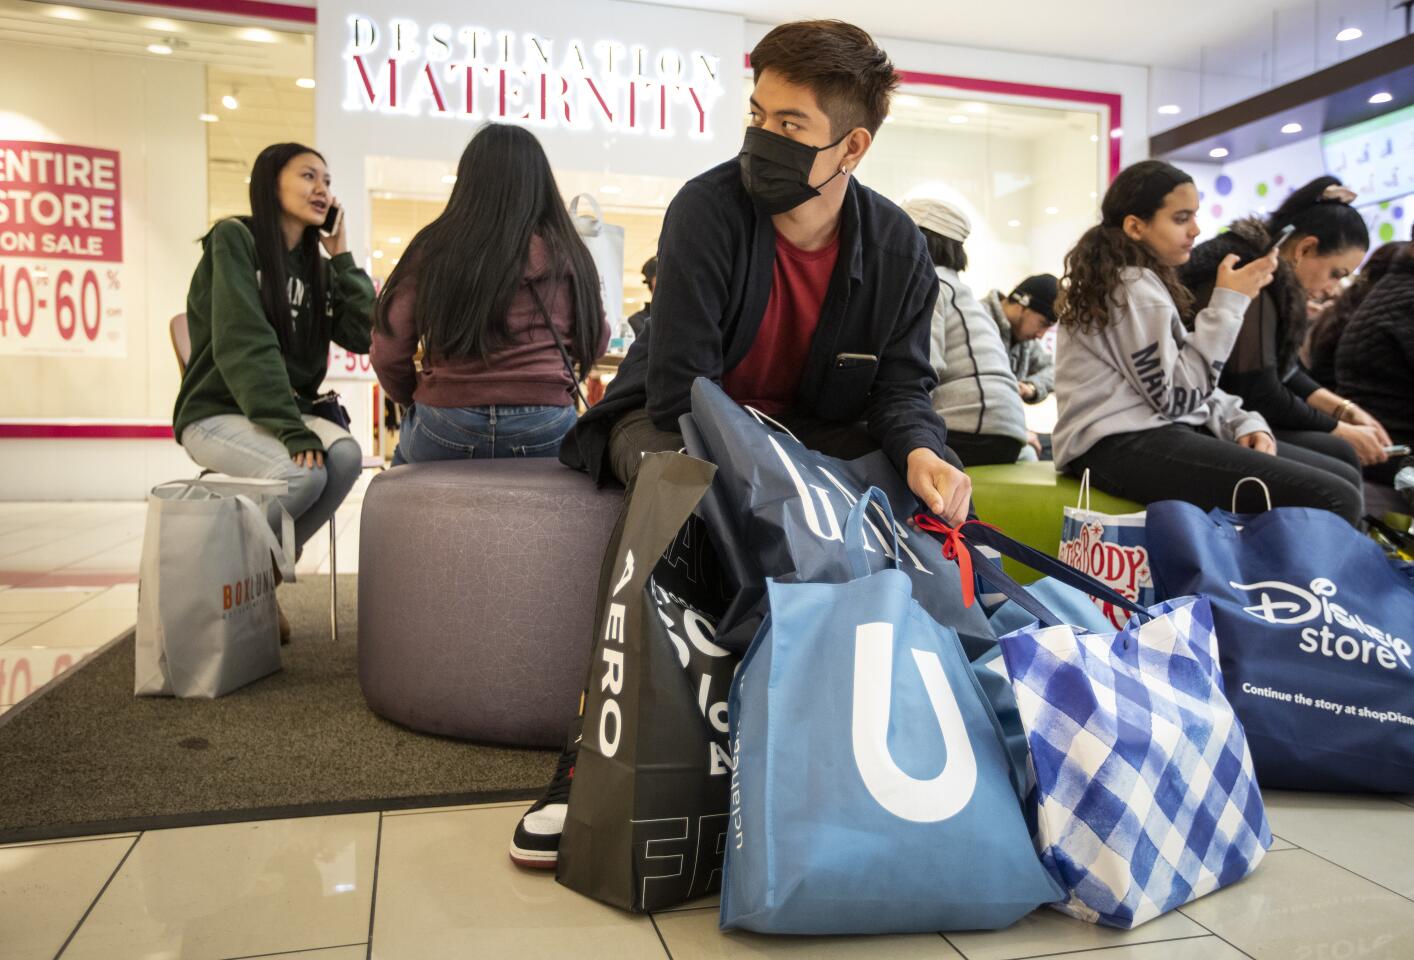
[67,13]
[1053,210]
[161,49]
[957,118]
[395,240]
[1094,138]
[377,254]
[230,102]
[1291,128]
[1382,97]
[207,117]
[306,83]
[449,178]
[163,26]
[974,107]
[1116,133]
[247,180]
[1348,34]
[1013,223]
[1217,153]
[1169,109]
[257,35]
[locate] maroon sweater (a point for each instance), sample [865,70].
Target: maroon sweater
[528,372]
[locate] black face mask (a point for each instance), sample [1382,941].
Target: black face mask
[776,170]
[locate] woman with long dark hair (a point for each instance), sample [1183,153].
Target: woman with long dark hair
[1328,240]
[1318,352]
[262,308]
[1139,402]
[503,299]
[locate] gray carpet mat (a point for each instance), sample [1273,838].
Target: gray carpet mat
[88,757]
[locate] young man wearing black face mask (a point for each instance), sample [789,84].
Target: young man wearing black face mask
[803,292]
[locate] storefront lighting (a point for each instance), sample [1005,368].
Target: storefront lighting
[974,107]
[258,35]
[907,100]
[161,49]
[1116,133]
[1013,223]
[207,117]
[306,83]
[449,178]
[395,240]
[1094,138]
[230,102]
[957,118]
[377,254]
[68,13]
[1348,34]
[1291,128]
[1382,97]
[1169,109]
[1053,210]
[247,181]
[163,26]
[1217,153]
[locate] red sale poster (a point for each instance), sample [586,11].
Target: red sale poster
[61,250]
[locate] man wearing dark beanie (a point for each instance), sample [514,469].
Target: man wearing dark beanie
[1023,317]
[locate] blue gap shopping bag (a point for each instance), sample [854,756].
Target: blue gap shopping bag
[1315,626]
[871,792]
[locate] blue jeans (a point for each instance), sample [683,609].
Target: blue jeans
[231,444]
[478,433]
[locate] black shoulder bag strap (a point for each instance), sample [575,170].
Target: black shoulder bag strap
[575,391]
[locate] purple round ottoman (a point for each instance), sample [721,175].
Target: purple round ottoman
[476,589]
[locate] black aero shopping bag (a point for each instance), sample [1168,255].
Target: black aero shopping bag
[648,804]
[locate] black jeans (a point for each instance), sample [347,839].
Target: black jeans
[1344,460]
[634,435]
[1179,462]
[980,449]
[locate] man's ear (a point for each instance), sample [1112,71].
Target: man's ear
[856,146]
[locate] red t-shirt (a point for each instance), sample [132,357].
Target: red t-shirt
[769,375]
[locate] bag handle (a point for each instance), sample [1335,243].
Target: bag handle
[598,215]
[766,421]
[283,546]
[854,546]
[1084,492]
[956,545]
[1238,486]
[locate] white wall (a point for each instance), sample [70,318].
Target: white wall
[145,109]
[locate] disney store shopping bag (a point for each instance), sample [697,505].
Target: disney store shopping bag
[872,793]
[1316,627]
[1144,791]
[206,616]
[777,510]
[648,802]
[1111,548]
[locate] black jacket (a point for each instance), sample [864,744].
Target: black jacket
[1374,364]
[716,256]
[1262,369]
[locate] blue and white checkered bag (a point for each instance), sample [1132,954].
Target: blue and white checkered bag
[1145,794]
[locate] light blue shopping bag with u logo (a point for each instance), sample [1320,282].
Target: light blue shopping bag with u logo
[871,791]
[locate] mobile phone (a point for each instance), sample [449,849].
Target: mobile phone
[331,222]
[848,361]
[1286,231]
[1398,450]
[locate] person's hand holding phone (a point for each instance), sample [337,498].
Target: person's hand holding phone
[332,234]
[1248,280]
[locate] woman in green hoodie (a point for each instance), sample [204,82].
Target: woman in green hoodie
[262,308]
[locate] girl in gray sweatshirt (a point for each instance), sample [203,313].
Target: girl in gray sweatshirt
[1137,392]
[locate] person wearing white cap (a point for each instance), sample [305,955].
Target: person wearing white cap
[977,394]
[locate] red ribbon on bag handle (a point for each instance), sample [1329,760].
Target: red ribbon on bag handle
[953,549]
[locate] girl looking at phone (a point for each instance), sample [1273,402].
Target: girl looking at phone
[1140,405]
[1325,241]
[270,293]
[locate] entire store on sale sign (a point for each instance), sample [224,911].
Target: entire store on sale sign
[61,250]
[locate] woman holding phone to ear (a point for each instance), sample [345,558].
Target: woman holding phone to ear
[270,293]
[1321,240]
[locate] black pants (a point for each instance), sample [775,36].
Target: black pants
[980,449]
[1328,445]
[1179,462]
[634,435]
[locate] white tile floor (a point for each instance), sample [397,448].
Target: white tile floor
[422,885]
